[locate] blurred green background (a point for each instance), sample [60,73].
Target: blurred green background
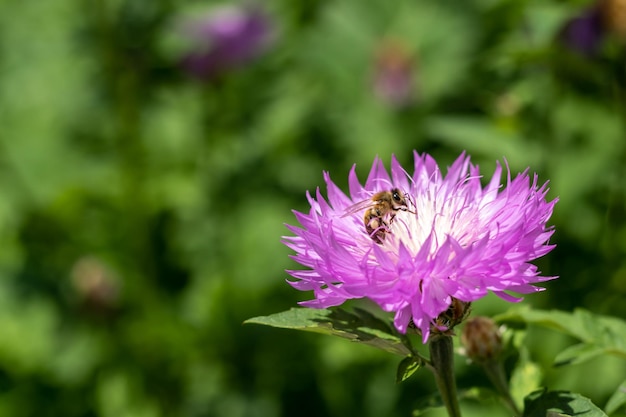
[142,207]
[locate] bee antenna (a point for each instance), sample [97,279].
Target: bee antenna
[409,198]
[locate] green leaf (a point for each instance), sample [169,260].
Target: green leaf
[407,367]
[525,378]
[553,319]
[544,403]
[479,135]
[358,326]
[617,400]
[578,354]
[598,334]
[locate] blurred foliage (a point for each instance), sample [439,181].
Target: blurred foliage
[142,208]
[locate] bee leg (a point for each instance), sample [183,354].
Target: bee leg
[377,229]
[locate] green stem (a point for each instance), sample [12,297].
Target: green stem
[442,360]
[495,373]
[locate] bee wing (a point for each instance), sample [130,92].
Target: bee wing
[361,205]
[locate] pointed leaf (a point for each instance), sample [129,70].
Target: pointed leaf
[358,326]
[407,367]
[617,400]
[559,403]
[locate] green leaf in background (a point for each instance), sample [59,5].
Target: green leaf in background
[358,326]
[526,378]
[598,334]
[576,354]
[617,400]
[407,367]
[544,403]
[484,137]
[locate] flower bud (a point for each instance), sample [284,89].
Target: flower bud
[481,339]
[393,81]
[96,286]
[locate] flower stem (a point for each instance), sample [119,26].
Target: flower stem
[442,360]
[495,373]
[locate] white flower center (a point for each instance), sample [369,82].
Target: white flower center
[437,218]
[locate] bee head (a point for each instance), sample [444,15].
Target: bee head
[399,201]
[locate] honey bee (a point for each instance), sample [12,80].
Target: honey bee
[456,313]
[380,211]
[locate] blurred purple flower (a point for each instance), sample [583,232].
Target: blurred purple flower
[393,74]
[453,240]
[226,39]
[584,32]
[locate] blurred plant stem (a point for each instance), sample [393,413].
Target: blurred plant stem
[442,362]
[126,80]
[495,373]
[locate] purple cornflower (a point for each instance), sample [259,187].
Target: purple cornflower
[225,39]
[453,240]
